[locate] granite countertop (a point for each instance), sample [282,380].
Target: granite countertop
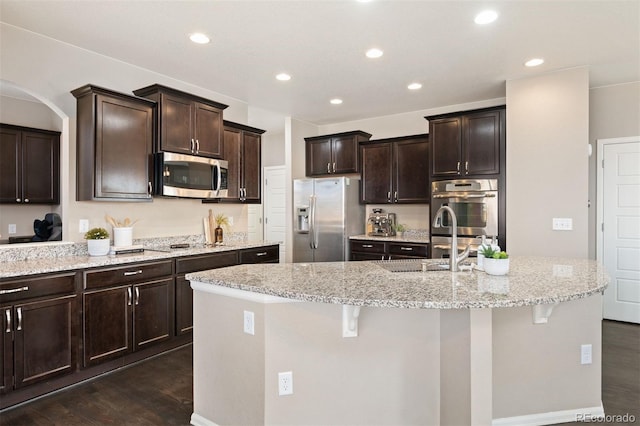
[531,281]
[407,238]
[41,265]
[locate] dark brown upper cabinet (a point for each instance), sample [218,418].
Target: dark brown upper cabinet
[115,134]
[243,151]
[334,154]
[187,124]
[469,143]
[394,171]
[29,165]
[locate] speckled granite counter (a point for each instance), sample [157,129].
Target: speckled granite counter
[30,265]
[420,238]
[531,281]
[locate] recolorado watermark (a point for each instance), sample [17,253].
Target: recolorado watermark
[607,418]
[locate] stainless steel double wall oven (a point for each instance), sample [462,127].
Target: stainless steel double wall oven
[475,203]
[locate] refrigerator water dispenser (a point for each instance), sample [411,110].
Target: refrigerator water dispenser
[302,215]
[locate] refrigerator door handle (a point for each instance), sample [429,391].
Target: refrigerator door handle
[312,221]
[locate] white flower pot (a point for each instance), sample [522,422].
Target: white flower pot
[122,237]
[98,247]
[496,266]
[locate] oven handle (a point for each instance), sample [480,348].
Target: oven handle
[463,196]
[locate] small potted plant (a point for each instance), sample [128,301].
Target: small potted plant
[98,242]
[400,228]
[495,262]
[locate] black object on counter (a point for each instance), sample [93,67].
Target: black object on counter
[49,229]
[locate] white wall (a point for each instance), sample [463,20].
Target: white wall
[614,111]
[547,163]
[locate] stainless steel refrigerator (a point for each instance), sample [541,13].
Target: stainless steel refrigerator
[326,211]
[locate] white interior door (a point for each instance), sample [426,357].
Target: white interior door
[275,206]
[254,222]
[619,202]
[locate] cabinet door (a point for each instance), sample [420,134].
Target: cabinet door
[6,349]
[446,146]
[44,344]
[411,171]
[176,126]
[184,306]
[482,143]
[123,149]
[232,141]
[107,324]
[10,160]
[376,173]
[345,155]
[153,312]
[251,167]
[208,130]
[318,161]
[40,168]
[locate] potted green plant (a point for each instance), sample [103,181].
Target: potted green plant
[400,228]
[98,242]
[495,262]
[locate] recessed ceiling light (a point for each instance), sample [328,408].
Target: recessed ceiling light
[336,101]
[374,53]
[283,77]
[486,17]
[534,62]
[199,38]
[414,86]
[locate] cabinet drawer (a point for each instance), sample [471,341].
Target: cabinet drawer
[367,246]
[36,287]
[417,250]
[208,261]
[260,255]
[127,274]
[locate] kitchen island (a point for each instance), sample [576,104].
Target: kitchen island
[370,346]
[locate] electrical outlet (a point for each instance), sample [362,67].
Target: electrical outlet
[285,383]
[585,354]
[12,228]
[562,224]
[249,322]
[83,225]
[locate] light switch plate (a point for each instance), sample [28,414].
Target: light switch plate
[83,225]
[12,228]
[562,224]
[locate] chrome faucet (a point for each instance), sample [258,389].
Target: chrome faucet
[454,259]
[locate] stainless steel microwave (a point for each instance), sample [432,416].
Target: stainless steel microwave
[188,176]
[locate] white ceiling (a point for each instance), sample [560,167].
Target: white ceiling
[322,45]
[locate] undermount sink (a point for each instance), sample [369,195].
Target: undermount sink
[412,265]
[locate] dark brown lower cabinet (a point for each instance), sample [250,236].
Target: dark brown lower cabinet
[38,341]
[387,250]
[123,319]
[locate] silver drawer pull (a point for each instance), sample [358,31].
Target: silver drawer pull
[367,246]
[264,253]
[14,290]
[129,296]
[19,327]
[129,273]
[406,248]
[7,313]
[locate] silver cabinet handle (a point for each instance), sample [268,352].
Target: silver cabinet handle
[129,273]
[367,246]
[192,145]
[137,296]
[150,187]
[458,167]
[328,167]
[395,196]
[19,312]
[334,167]
[129,296]
[406,248]
[389,196]
[264,253]
[18,200]
[14,290]
[26,200]
[383,257]
[466,166]
[7,313]
[197,146]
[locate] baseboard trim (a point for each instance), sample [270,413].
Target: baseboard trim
[551,418]
[198,420]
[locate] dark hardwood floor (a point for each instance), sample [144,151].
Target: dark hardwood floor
[160,391]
